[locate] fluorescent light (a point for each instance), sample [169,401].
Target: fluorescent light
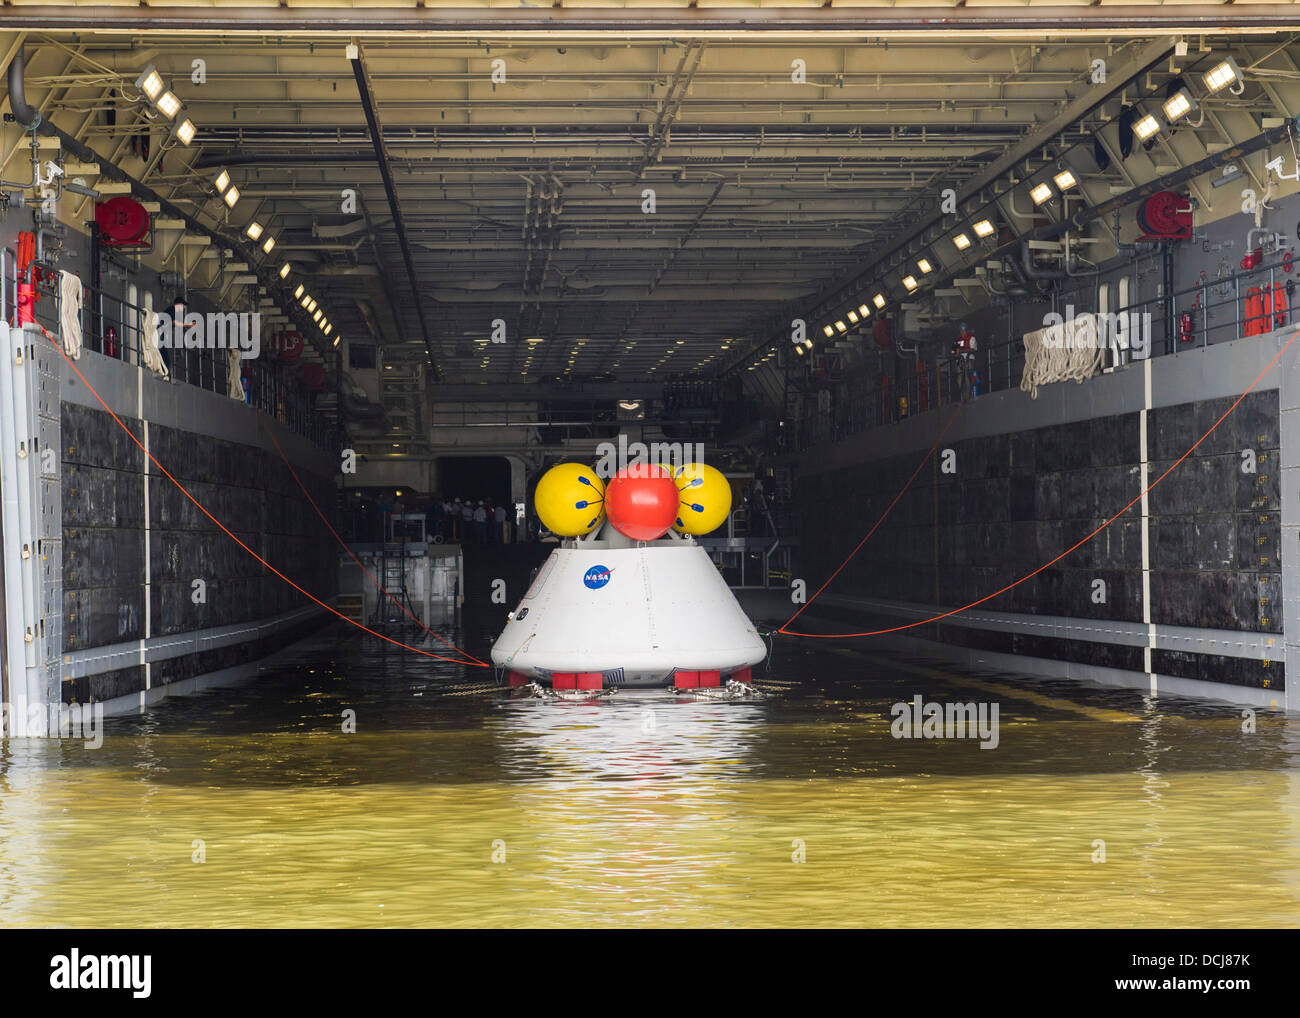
[961,241]
[150,82]
[983,228]
[1221,76]
[232,196]
[298,292]
[336,340]
[829,330]
[863,310]
[312,305]
[878,300]
[1146,126]
[254,230]
[306,301]
[284,270]
[268,244]
[168,104]
[1041,193]
[328,328]
[924,266]
[317,316]
[185,132]
[909,282]
[841,327]
[1064,180]
[852,317]
[223,181]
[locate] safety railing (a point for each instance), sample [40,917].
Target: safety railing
[1243,304]
[112,326]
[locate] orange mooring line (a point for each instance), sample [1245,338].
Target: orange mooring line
[888,509]
[185,491]
[344,546]
[1045,565]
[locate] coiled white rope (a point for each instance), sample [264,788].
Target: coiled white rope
[1070,351]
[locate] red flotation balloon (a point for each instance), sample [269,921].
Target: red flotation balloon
[641,502]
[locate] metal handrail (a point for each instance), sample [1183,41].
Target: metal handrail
[1000,365]
[269,387]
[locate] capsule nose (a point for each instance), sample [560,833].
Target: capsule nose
[641,502]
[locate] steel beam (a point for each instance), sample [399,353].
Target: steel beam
[385,171]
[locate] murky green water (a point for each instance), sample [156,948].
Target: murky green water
[646,811]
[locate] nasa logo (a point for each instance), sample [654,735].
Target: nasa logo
[596,577]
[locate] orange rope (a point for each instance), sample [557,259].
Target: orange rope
[888,509]
[344,546]
[1045,565]
[185,491]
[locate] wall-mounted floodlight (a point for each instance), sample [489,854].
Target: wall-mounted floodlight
[150,83]
[1146,126]
[168,105]
[1178,105]
[1224,74]
[1064,180]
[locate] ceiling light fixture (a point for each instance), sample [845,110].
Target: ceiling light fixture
[1223,75]
[1146,126]
[1064,180]
[168,104]
[150,82]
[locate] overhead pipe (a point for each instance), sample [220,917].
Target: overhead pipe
[28,118]
[390,190]
[1032,270]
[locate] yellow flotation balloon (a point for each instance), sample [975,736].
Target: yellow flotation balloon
[569,499]
[705,499]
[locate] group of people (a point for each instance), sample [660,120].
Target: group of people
[477,521]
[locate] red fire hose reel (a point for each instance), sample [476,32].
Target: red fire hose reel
[122,222]
[1166,215]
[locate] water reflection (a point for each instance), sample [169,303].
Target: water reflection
[455,805]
